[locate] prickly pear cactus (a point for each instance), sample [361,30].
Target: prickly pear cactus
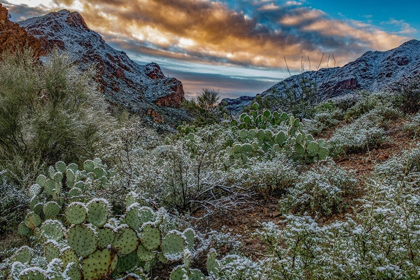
[145,255]
[98,211]
[82,239]
[150,236]
[51,209]
[67,255]
[173,245]
[106,236]
[52,230]
[126,240]
[99,264]
[32,220]
[76,213]
[22,255]
[72,272]
[51,250]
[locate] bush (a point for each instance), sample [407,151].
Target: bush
[319,192]
[13,203]
[48,112]
[362,135]
[413,126]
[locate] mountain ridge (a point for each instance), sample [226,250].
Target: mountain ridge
[373,71]
[139,88]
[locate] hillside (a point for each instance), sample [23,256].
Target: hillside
[374,71]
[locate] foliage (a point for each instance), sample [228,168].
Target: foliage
[320,191]
[413,125]
[205,107]
[48,112]
[86,239]
[12,205]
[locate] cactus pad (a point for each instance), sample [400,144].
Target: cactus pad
[73,167]
[34,201]
[127,263]
[49,186]
[212,263]
[22,255]
[58,177]
[130,199]
[313,148]
[99,172]
[126,240]
[98,211]
[52,230]
[72,272]
[54,270]
[33,273]
[323,153]
[150,237]
[173,245]
[132,216]
[51,251]
[89,165]
[51,209]
[99,264]
[41,179]
[179,273]
[35,190]
[189,234]
[32,220]
[67,256]
[76,213]
[106,236]
[82,240]
[146,215]
[24,230]
[144,255]
[39,209]
[60,166]
[196,274]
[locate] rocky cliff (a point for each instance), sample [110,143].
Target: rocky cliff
[374,71]
[13,37]
[124,82]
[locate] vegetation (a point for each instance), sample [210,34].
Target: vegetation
[261,195]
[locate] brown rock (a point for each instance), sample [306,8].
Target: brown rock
[156,117]
[13,37]
[175,99]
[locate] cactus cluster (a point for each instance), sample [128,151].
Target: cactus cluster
[82,239]
[285,134]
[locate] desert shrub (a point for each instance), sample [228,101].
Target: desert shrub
[48,112]
[410,96]
[327,119]
[413,125]
[370,101]
[380,240]
[13,203]
[320,191]
[270,177]
[345,102]
[403,167]
[205,107]
[362,135]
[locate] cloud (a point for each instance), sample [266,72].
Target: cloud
[259,33]
[405,28]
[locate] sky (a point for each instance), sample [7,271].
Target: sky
[240,47]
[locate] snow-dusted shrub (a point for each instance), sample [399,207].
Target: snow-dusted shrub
[405,166]
[381,240]
[361,135]
[320,191]
[326,118]
[413,125]
[268,176]
[13,203]
[48,112]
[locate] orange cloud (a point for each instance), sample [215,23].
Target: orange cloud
[204,30]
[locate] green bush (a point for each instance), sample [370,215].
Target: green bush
[320,191]
[48,112]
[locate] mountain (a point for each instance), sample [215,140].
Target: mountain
[374,71]
[139,88]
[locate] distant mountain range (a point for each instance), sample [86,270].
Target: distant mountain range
[145,89]
[374,71]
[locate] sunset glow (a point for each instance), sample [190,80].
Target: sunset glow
[256,34]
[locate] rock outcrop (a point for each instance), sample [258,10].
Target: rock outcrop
[123,81]
[374,71]
[14,37]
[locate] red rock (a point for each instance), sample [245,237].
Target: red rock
[13,37]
